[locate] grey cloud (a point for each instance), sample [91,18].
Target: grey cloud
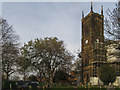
[35,20]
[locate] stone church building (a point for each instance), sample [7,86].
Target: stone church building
[93,47]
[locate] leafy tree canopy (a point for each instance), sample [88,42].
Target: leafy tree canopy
[107,74]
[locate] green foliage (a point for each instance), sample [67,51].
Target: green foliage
[77,65]
[60,76]
[24,66]
[107,74]
[24,62]
[46,56]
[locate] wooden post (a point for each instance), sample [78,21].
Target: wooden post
[10,86]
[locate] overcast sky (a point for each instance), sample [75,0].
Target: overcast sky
[33,20]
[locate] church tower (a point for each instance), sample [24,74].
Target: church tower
[93,51]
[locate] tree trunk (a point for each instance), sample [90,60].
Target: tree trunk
[7,78]
[51,81]
[24,77]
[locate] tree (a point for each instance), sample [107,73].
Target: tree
[53,56]
[77,65]
[60,75]
[112,22]
[24,62]
[9,57]
[23,67]
[107,74]
[47,56]
[9,48]
[32,78]
[15,78]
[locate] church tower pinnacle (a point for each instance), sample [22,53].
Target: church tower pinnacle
[82,14]
[91,6]
[102,10]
